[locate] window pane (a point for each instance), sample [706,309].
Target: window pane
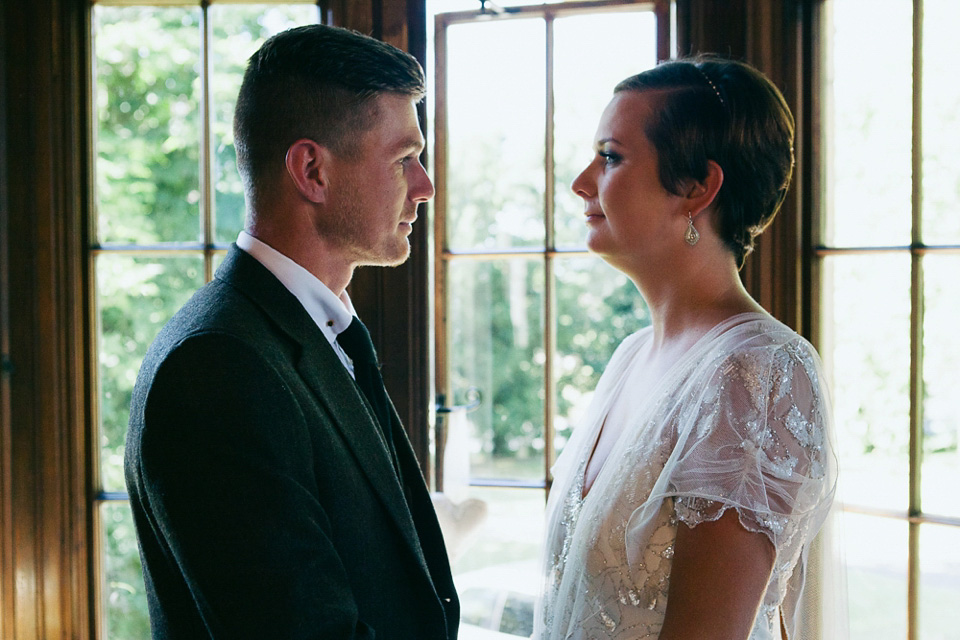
[876,555]
[497,575]
[135,297]
[871,119]
[939,581]
[496,344]
[592,54]
[496,106]
[866,307]
[941,402]
[125,600]
[597,307]
[238,31]
[148,135]
[941,122]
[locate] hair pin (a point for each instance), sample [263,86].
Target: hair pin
[710,82]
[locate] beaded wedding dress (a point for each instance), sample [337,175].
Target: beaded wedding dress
[741,422]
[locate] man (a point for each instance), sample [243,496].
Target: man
[274,491]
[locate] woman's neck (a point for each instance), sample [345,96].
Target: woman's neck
[687,302]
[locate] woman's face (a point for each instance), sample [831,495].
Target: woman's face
[630,216]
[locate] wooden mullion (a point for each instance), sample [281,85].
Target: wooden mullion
[440,266]
[206,144]
[916,332]
[549,293]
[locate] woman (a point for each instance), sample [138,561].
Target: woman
[686,504]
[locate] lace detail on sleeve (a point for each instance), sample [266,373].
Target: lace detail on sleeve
[757,444]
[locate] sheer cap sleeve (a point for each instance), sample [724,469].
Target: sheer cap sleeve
[756,443]
[756,439]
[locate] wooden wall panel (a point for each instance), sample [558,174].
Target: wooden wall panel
[6,497]
[43,490]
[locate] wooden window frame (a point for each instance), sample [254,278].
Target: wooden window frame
[445,256]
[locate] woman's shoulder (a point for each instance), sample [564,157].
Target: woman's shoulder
[756,337]
[760,353]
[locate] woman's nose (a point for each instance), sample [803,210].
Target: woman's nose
[582,185]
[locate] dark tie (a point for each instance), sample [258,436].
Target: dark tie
[355,341]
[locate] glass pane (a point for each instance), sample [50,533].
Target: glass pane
[125,599]
[592,54]
[871,121]
[135,298]
[218,258]
[939,581]
[941,122]
[147,62]
[238,31]
[866,307]
[497,571]
[496,105]
[941,402]
[495,320]
[597,307]
[876,555]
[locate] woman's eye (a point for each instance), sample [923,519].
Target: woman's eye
[608,157]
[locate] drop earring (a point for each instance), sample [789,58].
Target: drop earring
[691,235]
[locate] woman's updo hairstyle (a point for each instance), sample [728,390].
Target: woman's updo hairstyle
[728,112]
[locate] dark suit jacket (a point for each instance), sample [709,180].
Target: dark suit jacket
[265,503]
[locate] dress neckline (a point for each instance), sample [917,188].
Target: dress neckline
[657,389]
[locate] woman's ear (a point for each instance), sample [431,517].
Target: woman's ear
[306,164]
[701,195]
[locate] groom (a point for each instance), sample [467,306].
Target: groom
[274,491]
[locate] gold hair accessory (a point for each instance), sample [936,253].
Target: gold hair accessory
[691,235]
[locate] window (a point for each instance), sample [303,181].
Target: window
[168,203]
[890,259]
[524,314]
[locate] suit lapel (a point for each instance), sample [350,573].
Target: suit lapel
[330,383]
[356,423]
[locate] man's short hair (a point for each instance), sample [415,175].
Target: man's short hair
[315,82]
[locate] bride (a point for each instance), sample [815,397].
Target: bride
[686,504]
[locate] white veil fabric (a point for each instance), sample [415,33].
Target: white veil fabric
[741,421]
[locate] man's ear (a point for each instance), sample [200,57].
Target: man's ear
[701,195]
[306,163]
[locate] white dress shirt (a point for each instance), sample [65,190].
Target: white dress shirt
[332,314]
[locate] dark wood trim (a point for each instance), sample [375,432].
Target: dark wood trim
[394,303]
[6,489]
[46,541]
[811,165]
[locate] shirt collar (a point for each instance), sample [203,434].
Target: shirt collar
[331,313]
